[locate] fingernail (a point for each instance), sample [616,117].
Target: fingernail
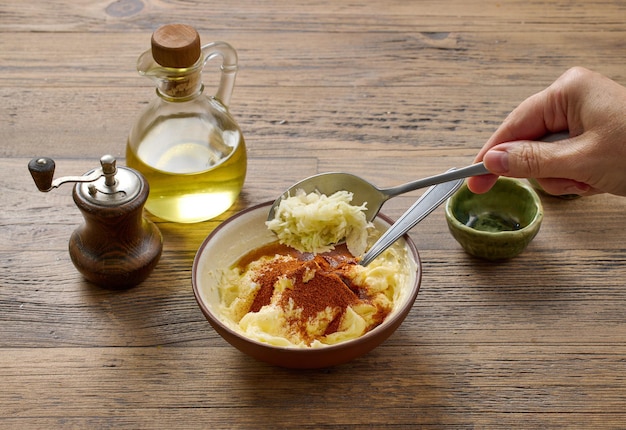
[497,161]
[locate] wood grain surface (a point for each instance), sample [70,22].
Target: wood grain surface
[391,91]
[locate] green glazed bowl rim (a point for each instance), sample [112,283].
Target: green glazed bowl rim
[528,191]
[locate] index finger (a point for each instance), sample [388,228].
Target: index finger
[539,115]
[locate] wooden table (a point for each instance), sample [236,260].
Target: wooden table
[391,91]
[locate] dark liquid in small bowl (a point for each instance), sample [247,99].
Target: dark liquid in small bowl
[492,222]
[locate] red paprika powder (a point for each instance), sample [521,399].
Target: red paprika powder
[330,288]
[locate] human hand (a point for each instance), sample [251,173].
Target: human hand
[592,160]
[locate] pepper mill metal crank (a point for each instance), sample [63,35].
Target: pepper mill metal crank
[116,247]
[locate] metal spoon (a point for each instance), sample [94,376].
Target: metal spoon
[363,191]
[427,203]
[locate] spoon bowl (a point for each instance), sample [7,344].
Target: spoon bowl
[365,192]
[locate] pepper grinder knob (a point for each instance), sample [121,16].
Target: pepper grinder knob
[116,247]
[42,171]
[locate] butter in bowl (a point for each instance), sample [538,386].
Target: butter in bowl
[297,309]
[498,224]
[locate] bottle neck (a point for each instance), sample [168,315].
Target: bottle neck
[180,88]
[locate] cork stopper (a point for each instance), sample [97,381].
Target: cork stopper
[176,45]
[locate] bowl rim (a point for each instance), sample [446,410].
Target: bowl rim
[396,319]
[453,221]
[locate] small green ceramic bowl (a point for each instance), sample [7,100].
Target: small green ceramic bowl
[496,225]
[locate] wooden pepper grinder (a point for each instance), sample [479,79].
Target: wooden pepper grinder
[116,247]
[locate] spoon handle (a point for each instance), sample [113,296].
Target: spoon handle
[427,203]
[451,175]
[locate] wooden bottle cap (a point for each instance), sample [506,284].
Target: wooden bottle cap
[176,45]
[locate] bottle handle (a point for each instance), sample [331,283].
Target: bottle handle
[229,68]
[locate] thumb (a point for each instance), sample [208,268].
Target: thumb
[559,161]
[531,159]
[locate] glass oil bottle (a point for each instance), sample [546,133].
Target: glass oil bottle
[187,145]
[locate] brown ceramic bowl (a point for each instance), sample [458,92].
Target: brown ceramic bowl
[246,231]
